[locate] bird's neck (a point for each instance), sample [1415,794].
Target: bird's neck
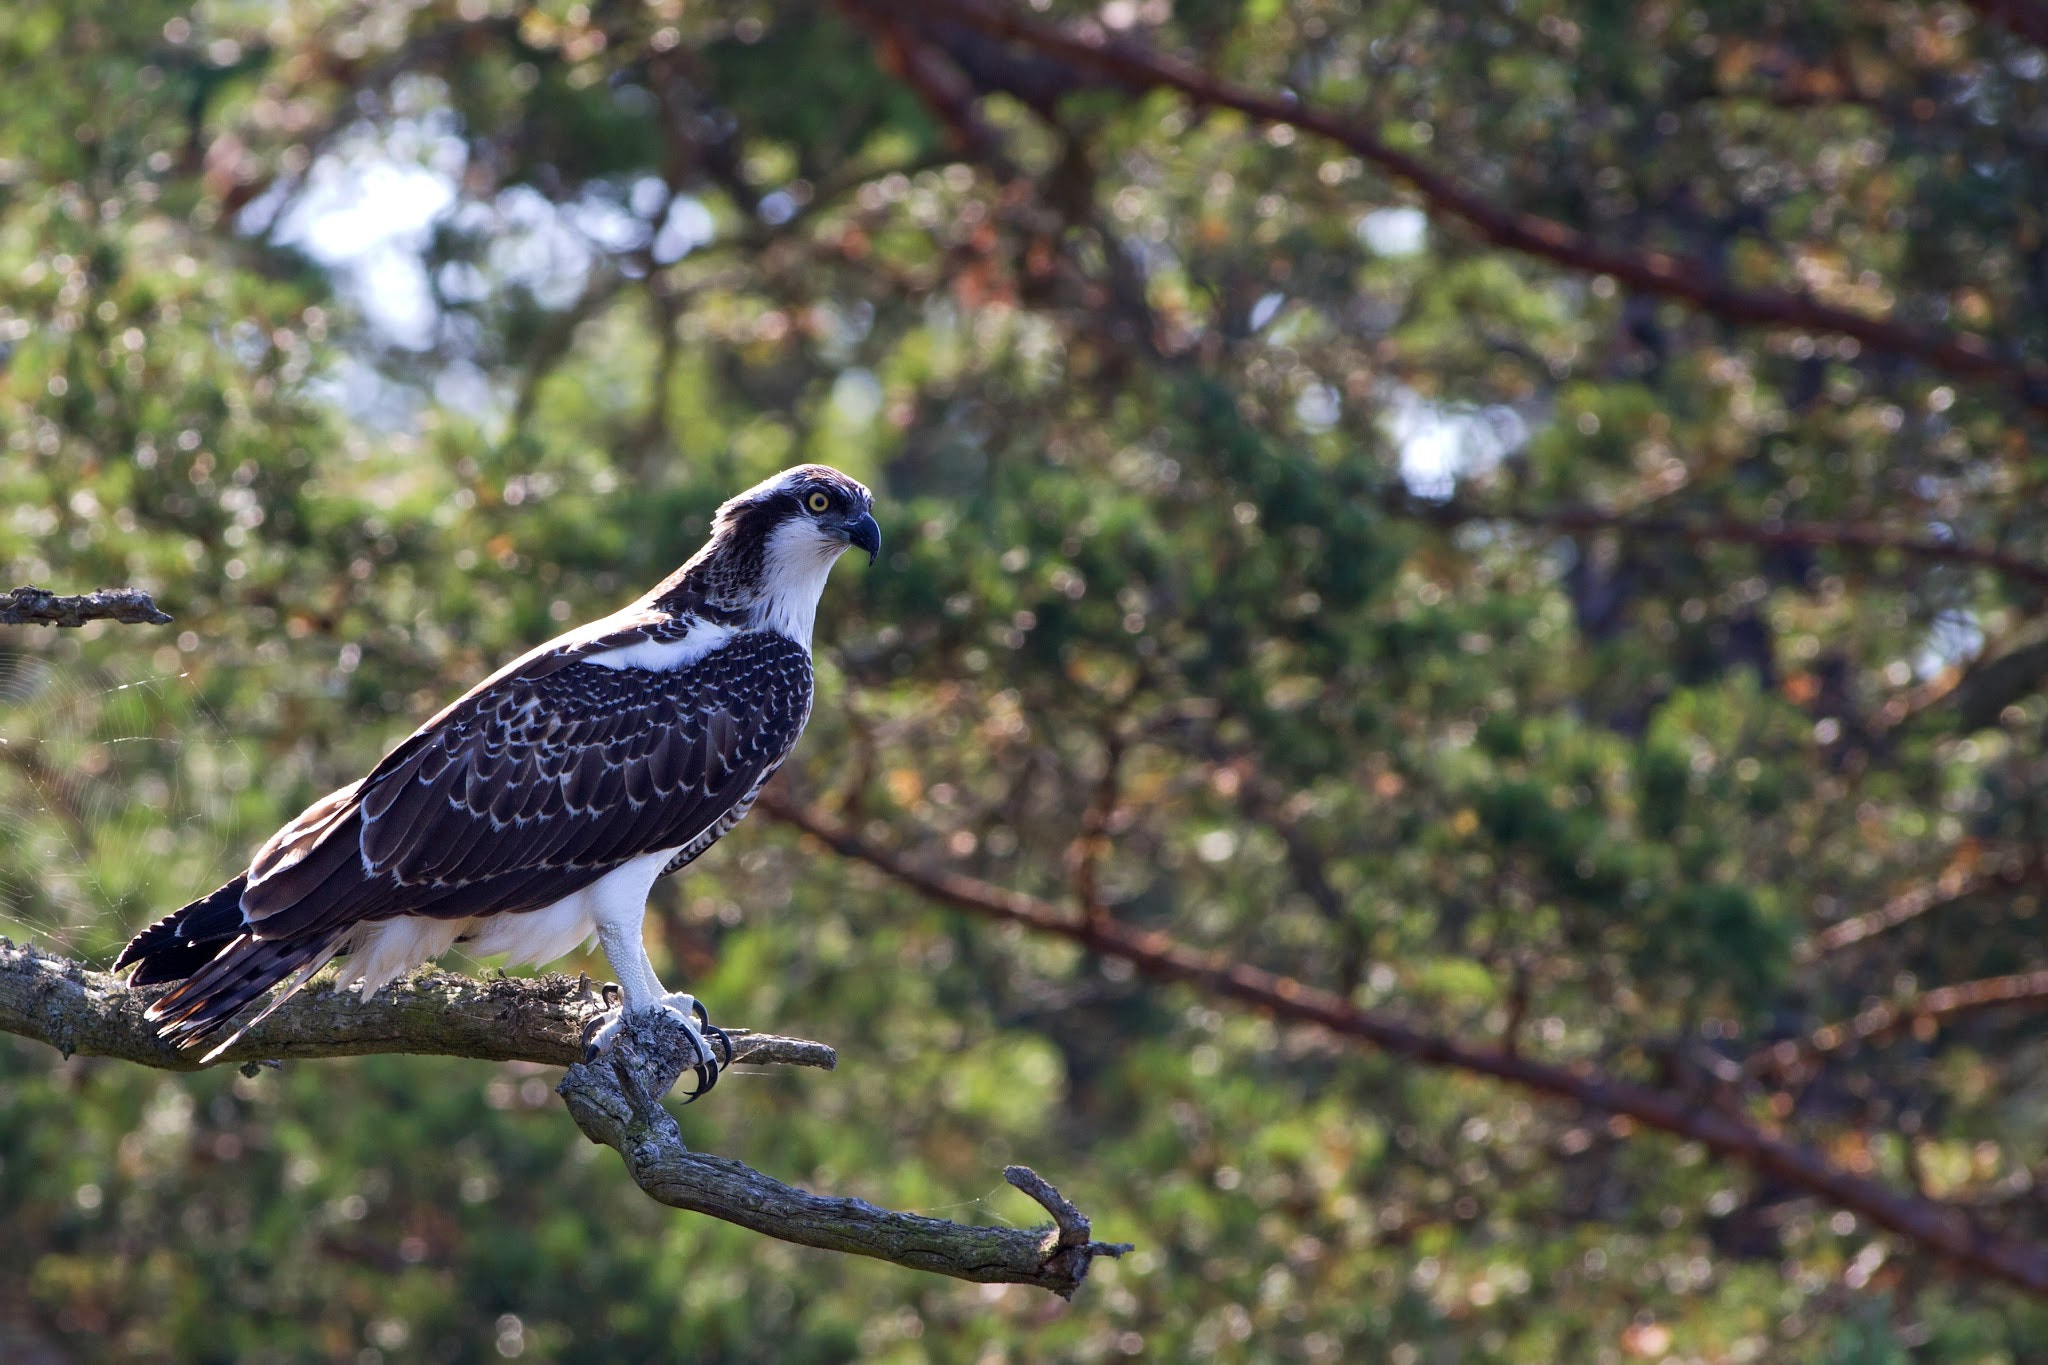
[768,584]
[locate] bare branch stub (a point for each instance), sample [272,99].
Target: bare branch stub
[1070,1239]
[613,1101]
[33,606]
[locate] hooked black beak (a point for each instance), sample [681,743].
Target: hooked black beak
[862,533]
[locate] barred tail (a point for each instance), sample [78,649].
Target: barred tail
[224,968]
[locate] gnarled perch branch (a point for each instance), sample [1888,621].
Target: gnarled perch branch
[614,1101]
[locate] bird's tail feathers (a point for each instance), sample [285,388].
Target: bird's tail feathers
[238,976]
[292,988]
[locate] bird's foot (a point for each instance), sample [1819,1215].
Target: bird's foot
[602,1031]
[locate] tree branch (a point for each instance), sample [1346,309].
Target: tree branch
[1689,280]
[2027,18]
[613,1104]
[1960,882]
[1967,697]
[614,1101]
[89,1013]
[31,606]
[1942,1230]
[1943,1002]
[1728,530]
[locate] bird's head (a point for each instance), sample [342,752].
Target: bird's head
[772,546]
[812,508]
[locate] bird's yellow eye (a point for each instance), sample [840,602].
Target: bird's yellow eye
[817,502]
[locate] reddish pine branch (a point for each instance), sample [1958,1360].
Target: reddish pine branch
[2027,18]
[1959,883]
[1945,1002]
[1727,530]
[1963,354]
[1940,1229]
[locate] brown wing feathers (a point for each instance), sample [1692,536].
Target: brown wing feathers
[531,787]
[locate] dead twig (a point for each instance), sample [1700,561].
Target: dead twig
[612,1101]
[32,606]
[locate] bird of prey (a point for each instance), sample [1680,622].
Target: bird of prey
[541,805]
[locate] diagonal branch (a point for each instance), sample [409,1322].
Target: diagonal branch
[1939,1229]
[31,606]
[1941,1003]
[614,1101]
[2027,18]
[1857,536]
[1960,882]
[1689,280]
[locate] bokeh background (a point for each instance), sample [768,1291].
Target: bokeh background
[1537,528]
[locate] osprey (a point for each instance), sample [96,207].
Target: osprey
[543,804]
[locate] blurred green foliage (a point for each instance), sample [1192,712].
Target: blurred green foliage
[382,340]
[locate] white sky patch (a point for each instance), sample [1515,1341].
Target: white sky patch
[354,386]
[1318,407]
[352,208]
[1955,638]
[1393,232]
[534,245]
[366,212]
[857,395]
[687,227]
[608,226]
[1265,310]
[1440,445]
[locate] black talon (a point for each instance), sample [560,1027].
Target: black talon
[705,1025]
[611,994]
[590,1029]
[724,1040]
[707,1076]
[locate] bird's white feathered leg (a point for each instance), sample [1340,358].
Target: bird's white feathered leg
[618,906]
